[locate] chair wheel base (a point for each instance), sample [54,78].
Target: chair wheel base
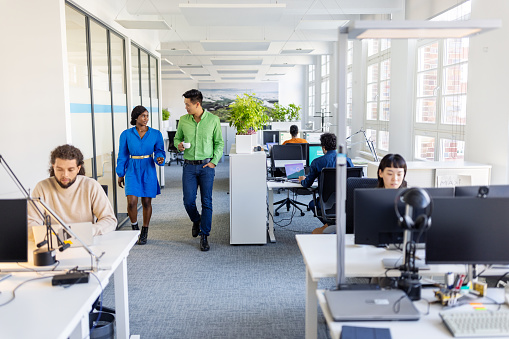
[277,213]
[302,214]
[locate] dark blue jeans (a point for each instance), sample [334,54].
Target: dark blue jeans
[192,177]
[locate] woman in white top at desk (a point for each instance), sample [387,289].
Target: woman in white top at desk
[392,172]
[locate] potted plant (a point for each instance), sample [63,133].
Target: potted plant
[166,117]
[247,115]
[282,115]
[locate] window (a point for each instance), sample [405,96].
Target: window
[311,90]
[441,94]
[349,88]
[324,93]
[378,94]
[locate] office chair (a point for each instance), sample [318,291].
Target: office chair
[175,154]
[353,183]
[354,172]
[325,203]
[286,154]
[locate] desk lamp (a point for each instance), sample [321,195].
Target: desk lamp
[46,256]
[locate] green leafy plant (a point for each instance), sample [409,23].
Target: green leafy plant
[166,114]
[283,113]
[247,114]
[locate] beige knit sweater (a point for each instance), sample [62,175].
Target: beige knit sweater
[83,201]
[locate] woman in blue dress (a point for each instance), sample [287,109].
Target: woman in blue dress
[139,149]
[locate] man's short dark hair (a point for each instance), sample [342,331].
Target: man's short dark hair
[194,95]
[67,152]
[328,141]
[137,111]
[294,130]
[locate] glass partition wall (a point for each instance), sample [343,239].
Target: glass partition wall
[98,96]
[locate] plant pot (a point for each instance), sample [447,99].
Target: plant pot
[245,143]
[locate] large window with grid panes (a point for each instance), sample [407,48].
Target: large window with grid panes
[349,88]
[311,90]
[324,84]
[441,94]
[378,94]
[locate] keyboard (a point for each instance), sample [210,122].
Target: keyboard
[483,324]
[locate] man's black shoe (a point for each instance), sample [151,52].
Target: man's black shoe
[196,228]
[204,244]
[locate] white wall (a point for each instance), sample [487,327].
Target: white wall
[487,131]
[172,98]
[34,106]
[425,9]
[292,87]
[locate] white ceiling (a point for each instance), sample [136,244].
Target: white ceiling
[265,38]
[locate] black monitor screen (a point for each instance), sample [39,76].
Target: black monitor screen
[270,136]
[375,221]
[13,230]
[468,231]
[495,191]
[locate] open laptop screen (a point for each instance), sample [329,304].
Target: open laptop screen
[294,171]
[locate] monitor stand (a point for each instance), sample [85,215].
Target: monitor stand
[391,263]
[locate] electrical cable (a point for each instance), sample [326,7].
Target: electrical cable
[21,284]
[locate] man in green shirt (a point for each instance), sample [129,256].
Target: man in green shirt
[199,136]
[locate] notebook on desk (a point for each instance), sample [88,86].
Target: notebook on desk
[294,171]
[370,305]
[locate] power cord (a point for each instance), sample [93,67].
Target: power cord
[21,284]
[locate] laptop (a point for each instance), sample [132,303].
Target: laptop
[83,230]
[294,171]
[370,305]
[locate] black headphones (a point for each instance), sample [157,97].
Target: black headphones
[417,198]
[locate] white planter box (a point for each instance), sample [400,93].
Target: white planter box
[245,143]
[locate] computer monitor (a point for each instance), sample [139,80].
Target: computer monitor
[468,231]
[375,221]
[494,191]
[314,151]
[270,136]
[283,136]
[13,230]
[312,137]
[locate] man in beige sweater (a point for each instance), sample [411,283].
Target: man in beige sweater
[71,195]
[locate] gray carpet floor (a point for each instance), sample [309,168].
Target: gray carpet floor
[243,291]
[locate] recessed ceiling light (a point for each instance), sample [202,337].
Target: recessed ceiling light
[191,66]
[238,78]
[296,51]
[407,29]
[221,62]
[281,65]
[230,45]
[200,75]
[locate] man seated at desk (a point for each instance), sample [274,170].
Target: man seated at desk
[328,159]
[74,197]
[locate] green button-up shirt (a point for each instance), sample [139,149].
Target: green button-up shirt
[205,137]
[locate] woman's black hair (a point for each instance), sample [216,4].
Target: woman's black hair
[328,141]
[137,111]
[294,130]
[394,161]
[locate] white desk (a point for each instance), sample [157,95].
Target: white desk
[271,186]
[428,326]
[442,173]
[41,310]
[319,254]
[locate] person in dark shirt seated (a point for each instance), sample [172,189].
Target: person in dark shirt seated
[328,143]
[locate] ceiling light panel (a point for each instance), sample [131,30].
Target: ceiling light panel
[200,75]
[296,51]
[237,71]
[380,29]
[191,66]
[222,45]
[238,78]
[282,65]
[237,62]
[232,14]
[144,24]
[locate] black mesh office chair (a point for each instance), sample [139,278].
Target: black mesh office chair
[325,202]
[282,154]
[352,184]
[175,154]
[356,171]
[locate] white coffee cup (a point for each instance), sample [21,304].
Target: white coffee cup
[187,145]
